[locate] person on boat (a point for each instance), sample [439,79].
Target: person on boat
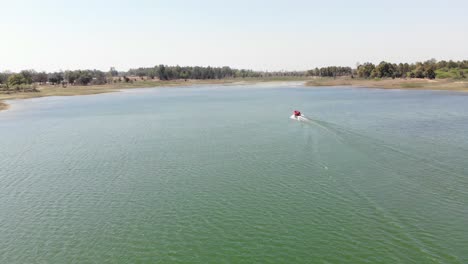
[297,113]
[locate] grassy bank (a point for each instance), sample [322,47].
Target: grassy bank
[423,84]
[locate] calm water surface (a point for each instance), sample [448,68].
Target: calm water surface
[222,175]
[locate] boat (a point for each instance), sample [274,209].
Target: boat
[298,116]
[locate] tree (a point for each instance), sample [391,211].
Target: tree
[40,77]
[162,73]
[141,73]
[365,70]
[403,69]
[113,72]
[4,77]
[71,76]
[442,64]
[419,72]
[184,75]
[464,64]
[84,78]
[152,73]
[430,73]
[99,78]
[451,64]
[55,78]
[28,76]
[384,70]
[16,79]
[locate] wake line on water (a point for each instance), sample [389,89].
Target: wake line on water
[359,141]
[321,124]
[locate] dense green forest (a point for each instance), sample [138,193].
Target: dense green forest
[429,69]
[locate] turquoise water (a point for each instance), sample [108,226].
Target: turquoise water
[222,175]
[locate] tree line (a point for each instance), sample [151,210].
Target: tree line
[161,72]
[78,77]
[202,73]
[331,71]
[428,69]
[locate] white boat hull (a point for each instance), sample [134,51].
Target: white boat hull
[299,118]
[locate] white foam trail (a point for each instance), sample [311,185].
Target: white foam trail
[315,122]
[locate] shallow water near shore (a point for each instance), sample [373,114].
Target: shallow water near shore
[215,174]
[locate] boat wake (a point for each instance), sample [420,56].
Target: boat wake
[300,118]
[315,122]
[378,150]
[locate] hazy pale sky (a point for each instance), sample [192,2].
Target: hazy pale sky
[262,35]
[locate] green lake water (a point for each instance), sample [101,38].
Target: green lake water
[222,175]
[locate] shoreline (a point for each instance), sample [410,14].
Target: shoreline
[402,84]
[4,106]
[57,90]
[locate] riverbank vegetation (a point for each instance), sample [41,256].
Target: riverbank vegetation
[28,80]
[430,69]
[389,83]
[9,82]
[59,90]
[431,74]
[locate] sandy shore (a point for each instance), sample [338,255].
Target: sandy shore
[410,84]
[3,106]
